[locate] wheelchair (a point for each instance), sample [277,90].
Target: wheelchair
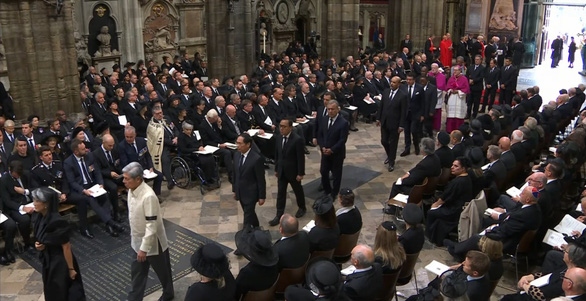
[186,173]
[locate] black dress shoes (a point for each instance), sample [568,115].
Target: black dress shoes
[353,129]
[86,233]
[111,231]
[417,152]
[170,186]
[391,167]
[10,257]
[116,217]
[275,221]
[4,260]
[300,212]
[405,153]
[116,226]
[386,161]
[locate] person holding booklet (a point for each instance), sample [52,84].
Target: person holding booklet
[14,195]
[188,144]
[548,284]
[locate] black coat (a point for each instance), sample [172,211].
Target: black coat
[11,200]
[509,77]
[290,158]
[416,101]
[413,239]
[392,113]
[513,225]
[446,156]
[129,154]
[293,251]
[249,182]
[41,176]
[430,166]
[323,239]
[253,277]
[350,222]
[364,285]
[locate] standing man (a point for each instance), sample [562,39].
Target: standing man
[491,81]
[148,237]
[249,185]
[289,169]
[508,82]
[414,115]
[162,138]
[331,136]
[556,51]
[391,118]
[475,75]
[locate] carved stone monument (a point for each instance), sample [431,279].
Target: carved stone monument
[159,33]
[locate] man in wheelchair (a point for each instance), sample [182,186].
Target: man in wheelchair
[187,145]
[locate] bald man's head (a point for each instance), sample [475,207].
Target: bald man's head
[289,225]
[362,256]
[108,142]
[505,144]
[574,282]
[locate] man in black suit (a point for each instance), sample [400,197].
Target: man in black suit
[490,51]
[331,134]
[495,172]
[161,85]
[509,227]
[415,115]
[32,139]
[108,160]
[507,157]
[476,267]
[508,80]
[443,150]
[289,169]
[4,153]
[82,173]
[491,79]
[516,146]
[391,117]
[15,192]
[428,167]
[366,282]
[293,247]
[9,136]
[348,216]
[406,43]
[211,134]
[429,103]
[99,109]
[134,149]
[475,75]
[249,184]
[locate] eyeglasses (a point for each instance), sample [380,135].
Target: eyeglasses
[563,276]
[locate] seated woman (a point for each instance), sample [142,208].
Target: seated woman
[53,141]
[113,118]
[574,256]
[476,158]
[187,145]
[444,214]
[414,237]
[348,217]
[217,282]
[387,249]
[324,236]
[324,282]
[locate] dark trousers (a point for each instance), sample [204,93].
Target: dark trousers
[250,218]
[23,221]
[282,183]
[489,95]
[9,228]
[554,259]
[166,164]
[460,249]
[139,272]
[226,156]
[428,126]
[506,96]
[412,128]
[111,187]
[157,182]
[332,163]
[473,103]
[396,189]
[100,205]
[389,139]
[81,207]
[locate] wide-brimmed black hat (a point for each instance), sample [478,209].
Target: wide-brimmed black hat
[101,127]
[323,275]
[45,139]
[257,247]
[210,261]
[454,284]
[323,204]
[412,214]
[76,131]
[129,64]
[476,157]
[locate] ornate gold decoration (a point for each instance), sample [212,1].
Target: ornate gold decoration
[158,9]
[101,10]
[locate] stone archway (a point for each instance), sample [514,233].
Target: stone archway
[102,17]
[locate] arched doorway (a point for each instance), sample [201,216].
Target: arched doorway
[301,33]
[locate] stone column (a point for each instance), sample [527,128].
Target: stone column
[342,26]
[131,44]
[217,37]
[41,57]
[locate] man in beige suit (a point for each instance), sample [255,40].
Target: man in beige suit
[148,237]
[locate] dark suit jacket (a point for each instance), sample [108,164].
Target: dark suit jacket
[323,239]
[229,130]
[210,135]
[519,151]
[497,170]
[290,158]
[513,225]
[106,167]
[477,76]
[430,166]
[445,155]
[4,159]
[392,113]
[479,289]
[307,104]
[459,150]
[508,159]
[98,113]
[335,137]
[364,285]
[350,222]
[416,101]
[249,182]
[10,199]
[73,172]
[260,118]
[429,99]
[413,239]
[293,251]
[254,277]
[492,77]
[509,78]
[128,153]
[54,176]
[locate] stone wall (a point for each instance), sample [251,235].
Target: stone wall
[41,57]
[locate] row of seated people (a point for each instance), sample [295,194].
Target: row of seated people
[295,248]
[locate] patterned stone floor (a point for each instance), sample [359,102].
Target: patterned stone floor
[217,216]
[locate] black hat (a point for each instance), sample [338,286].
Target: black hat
[210,261]
[507,109]
[45,139]
[75,132]
[129,64]
[476,126]
[443,137]
[345,191]
[389,225]
[115,66]
[476,157]
[101,127]
[323,205]
[323,276]
[412,214]
[454,284]
[256,246]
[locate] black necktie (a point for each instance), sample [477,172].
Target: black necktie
[410,87]
[2,149]
[85,172]
[31,143]
[241,160]
[331,122]
[284,141]
[134,147]
[392,94]
[109,157]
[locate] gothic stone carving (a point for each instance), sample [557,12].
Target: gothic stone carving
[159,29]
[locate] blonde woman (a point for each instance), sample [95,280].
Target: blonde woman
[387,249]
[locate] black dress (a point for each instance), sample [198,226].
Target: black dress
[441,221]
[53,232]
[200,291]
[323,239]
